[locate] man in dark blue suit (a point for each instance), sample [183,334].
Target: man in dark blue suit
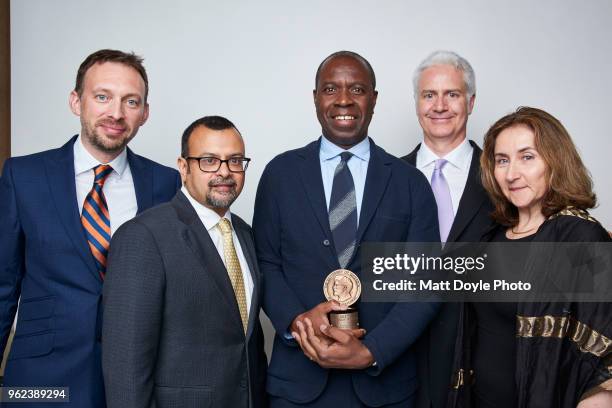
[58,210]
[304,229]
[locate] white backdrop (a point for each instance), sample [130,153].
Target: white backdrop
[254,62]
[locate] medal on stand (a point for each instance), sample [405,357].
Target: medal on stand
[344,287]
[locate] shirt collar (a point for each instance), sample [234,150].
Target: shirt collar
[84,161]
[329,150]
[459,157]
[209,218]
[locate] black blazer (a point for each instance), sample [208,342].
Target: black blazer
[551,371]
[172,334]
[437,345]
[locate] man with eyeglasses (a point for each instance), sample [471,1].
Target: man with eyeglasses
[182,294]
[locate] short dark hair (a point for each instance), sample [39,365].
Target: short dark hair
[568,181]
[106,55]
[210,122]
[348,54]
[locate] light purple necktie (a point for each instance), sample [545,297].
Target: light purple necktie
[443,199]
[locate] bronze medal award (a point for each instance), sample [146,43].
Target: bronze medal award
[344,287]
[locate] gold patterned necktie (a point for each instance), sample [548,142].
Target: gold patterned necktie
[233,269]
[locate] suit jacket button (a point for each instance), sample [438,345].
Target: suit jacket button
[326,242]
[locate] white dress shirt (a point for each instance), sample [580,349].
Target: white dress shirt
[210,219]
[118,188]
[455,171]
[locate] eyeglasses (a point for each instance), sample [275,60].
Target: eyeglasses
[213,164]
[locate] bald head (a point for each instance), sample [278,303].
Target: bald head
[347,54]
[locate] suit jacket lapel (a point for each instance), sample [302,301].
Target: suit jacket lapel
[375,186]
[61,180]
[248,249]
[312,180]
[473,196]
[198,239]
[411,157]
[376,182]
[472,199]
[143,181]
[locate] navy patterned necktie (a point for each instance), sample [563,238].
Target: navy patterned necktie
[343,211]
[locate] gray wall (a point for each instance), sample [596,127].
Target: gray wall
[254,62]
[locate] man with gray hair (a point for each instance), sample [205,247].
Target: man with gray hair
[444,92]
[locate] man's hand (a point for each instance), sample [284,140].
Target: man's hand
[317,315]
[337,349]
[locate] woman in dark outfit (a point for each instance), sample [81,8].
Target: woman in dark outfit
[535,355]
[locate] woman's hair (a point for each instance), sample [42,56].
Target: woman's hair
[569,182]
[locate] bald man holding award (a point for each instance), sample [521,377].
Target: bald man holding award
[315,206]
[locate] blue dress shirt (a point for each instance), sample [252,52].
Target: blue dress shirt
[329,156]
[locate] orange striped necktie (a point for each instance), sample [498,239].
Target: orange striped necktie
[96,220]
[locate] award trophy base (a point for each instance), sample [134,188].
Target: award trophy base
[344,319]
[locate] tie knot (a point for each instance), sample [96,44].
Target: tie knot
[225,226]
[345,156]
[101,172]
[439,164]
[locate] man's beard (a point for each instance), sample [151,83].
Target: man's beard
[104,144]
[227,199]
